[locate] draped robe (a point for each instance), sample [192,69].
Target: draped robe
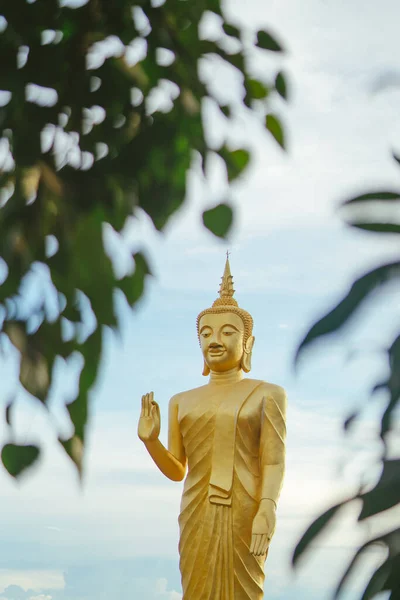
[228,440]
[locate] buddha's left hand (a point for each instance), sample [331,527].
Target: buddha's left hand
[263,528]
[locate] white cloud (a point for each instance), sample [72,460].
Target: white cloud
[34,579]
[162,593]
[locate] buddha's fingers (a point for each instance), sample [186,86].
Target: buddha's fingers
[259,545]
[155,409]
[148,405]
[264,544]
[143,414]
[253,542]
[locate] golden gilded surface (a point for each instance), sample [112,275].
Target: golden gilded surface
[229,435]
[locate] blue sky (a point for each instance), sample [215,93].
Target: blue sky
[291,259]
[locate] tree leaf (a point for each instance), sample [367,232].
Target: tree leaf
[267,42]
[274,126]
[389,540]
[256,90]
[133,285]
[377,227]
[385,494]
[350,420]
[378,580]
[314,529]
[358,293]
[231,30]
[236,161]
[280,85]
[9,406]
[226,110]
[16,458]
[383,196]
[218,220]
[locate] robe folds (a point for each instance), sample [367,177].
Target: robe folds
[228,441]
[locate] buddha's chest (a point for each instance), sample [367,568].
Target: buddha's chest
[206,410]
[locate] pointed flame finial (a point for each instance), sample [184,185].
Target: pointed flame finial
[226,287]
[227,303]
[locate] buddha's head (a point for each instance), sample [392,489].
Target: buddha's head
[225,331]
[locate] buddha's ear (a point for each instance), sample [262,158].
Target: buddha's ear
[206,369]
[247,351]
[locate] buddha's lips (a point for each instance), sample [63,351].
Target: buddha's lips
[216,352]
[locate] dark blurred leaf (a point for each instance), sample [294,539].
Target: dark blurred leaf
[315,529]
[377,227]
[393,386]
[16,458]
[256,89]
[266,41]
[358,293]
[350,420]
[236,161]
[231,30]
[385,494]
[226,110]
[8,411]
[280,85]
[73,447]
[218,220]
[274,126]
[396,158]
[374,197]
[133,285]
[377,582]
[390,540]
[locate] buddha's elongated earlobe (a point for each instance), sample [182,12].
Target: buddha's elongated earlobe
[246,357]
[206,369]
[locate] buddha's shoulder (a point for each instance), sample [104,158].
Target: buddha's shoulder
[188,394]
[271,389]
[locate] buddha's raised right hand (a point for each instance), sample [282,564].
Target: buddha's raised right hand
[150,420]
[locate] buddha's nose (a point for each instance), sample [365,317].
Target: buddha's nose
[215,345]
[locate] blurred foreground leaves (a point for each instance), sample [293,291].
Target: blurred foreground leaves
[384,495]
[101,115]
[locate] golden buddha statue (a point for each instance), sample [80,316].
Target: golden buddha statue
[230,433]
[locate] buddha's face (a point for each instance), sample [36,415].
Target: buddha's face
[222,340]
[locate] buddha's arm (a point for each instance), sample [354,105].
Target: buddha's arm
[272,446]
[171,462]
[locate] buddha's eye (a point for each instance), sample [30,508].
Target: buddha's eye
[228,332]
[206,334]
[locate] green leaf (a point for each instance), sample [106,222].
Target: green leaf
[350,420]
[231,30]
[274,126]
[378,580]
[256,89]
[359,292]
[226,110]
[133,285]
[16,458]
[385,494]
[267,42]
[9,406]
[218,220]
[73,446]
[377,227]
[314,529]
[383,196]
[236,161]
[280,85]
[390,540]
